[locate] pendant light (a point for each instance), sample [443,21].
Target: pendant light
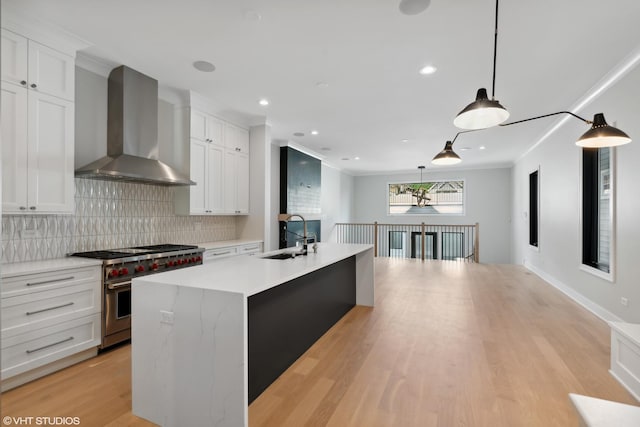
[447,156]
[484,112]
[600,135]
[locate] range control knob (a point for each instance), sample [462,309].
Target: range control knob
[124,271]
[140,268]
[153,266]
[170,263]
[188,260]
[198,258]
[193,259]
[113,273]
[179,262]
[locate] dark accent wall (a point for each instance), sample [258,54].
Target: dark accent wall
[300,193]
[283,322]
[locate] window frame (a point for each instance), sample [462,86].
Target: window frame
[464,198]
[608,276]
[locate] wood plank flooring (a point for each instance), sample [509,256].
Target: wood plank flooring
[447,344]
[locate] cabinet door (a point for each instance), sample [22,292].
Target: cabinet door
[216,179]
[50,154]
[214,131]
[230,181]
[14,58]
[50,71]
[198,192]
[14,148]
[242,183]
[236,138]
[198,125]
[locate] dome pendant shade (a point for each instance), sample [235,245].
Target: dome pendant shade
[447,156]
[602,135]
[481,113]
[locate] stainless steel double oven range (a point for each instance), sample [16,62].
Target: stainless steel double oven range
[119,266]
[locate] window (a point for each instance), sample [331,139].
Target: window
[430,245]
[427,198]
[396,243]
[452,245]
[597,209]
[533,208]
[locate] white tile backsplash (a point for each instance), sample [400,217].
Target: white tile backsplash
[109,214]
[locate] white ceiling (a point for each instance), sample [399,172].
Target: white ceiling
[550,55]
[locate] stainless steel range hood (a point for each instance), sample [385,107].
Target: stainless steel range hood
[132,134]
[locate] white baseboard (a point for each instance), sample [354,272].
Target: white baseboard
[631,391]
[594,308]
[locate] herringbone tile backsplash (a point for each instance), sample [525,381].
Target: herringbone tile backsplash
[109,215]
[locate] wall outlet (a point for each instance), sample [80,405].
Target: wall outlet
[166,317]
[624,301]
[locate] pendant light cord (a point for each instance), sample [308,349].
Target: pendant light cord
[546,115]
[495,55]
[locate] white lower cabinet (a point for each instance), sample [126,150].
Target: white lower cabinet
[47,317]
[231,250]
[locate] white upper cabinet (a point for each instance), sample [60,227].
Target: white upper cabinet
[236,139]
[31,64]
[219,164]
[205,127]
[37,127]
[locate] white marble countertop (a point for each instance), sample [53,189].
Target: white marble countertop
[604,413]
[227,243]
[250,275]
[45,266]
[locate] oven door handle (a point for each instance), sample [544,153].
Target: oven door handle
[114,286]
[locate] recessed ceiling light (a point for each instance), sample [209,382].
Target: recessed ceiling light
[428,69]
[356,158]
[345,158]
[405,140]
[204,66]
[298,134]
[263,102]
[464,148]
[326,149]
[322,84]
[314,132]
[482,147]
[413,7]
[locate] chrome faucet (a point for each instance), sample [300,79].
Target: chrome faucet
[286,218]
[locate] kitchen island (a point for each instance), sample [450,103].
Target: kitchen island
[209,339]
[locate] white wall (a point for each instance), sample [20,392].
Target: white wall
[337,200]
[559,257]
[488,202]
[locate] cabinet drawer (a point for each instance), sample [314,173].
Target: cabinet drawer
[250,249]
[213,254]
[19,285]
[27,351]
[29,312]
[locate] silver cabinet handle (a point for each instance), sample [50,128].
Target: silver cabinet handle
[44,282]
[119,285]
[221,253]
[23,208]
[23,82]
[251,249]
[29,313]
[49,345]
[33,85]
[33,208]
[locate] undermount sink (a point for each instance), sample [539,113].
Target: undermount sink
[284,255]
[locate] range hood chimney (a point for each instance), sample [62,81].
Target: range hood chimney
[132,134]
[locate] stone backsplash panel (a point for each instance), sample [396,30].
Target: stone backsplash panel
[109,214]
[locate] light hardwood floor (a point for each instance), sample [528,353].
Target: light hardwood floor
[447,344]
